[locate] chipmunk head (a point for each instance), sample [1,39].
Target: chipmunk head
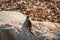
[27,18]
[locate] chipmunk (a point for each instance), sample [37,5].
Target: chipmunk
[29,26]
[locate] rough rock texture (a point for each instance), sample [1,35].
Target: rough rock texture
[16,30]
[44,31]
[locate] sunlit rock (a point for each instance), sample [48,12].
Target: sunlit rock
[6,16]
[15,31]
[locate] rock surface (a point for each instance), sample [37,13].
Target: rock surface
[44,31]
[6,16]
[16,31]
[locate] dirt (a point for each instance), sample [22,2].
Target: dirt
[38,10]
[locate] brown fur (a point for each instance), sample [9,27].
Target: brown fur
[29,26]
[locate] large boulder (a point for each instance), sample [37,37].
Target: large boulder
[16,31]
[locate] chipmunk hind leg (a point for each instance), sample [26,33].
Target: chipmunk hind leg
[33,33]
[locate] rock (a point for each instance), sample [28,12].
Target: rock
[43,30]
[6,16]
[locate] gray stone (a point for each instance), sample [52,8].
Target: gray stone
[43,30]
